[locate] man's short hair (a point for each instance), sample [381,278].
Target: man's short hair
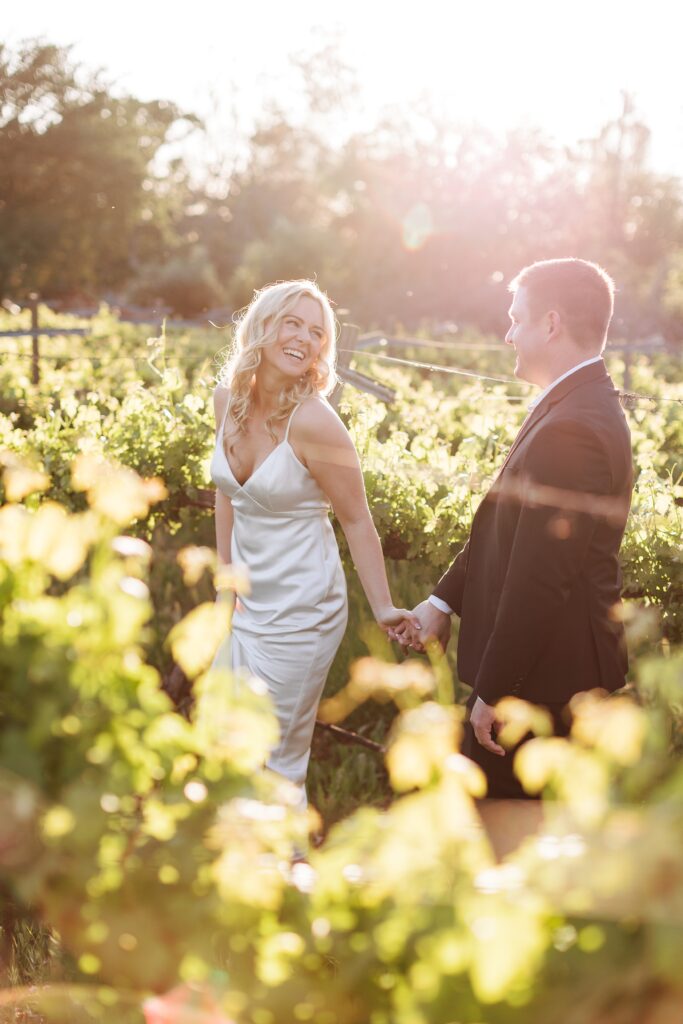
[581,292]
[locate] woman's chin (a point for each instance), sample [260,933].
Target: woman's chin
[294,372]
[287,374]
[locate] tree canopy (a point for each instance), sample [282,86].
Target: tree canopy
[74,165]
[416,219]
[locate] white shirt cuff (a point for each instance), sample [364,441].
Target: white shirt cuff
[441,605]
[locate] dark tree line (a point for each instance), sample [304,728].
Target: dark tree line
[397,229]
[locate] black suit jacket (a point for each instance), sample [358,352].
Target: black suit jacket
[537,586]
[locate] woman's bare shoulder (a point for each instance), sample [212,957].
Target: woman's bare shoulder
[221,395]
[315,419]
[316,411]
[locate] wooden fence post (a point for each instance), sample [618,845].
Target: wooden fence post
[348,336]
[35,346]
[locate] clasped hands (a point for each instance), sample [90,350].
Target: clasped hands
[433,624]
[427,623]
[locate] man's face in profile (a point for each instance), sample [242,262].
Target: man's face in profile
[528,337]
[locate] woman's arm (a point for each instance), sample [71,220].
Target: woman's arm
[224,513]
[224,517]
[322,442]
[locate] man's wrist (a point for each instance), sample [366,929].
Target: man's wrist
[437,602]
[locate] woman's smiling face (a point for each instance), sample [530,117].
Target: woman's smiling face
[299,341]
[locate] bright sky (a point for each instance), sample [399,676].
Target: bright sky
[555,65]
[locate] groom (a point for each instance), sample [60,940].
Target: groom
[537,586]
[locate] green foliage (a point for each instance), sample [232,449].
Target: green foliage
[162,854]
[75,160]
[413,217]
[109,793]
[427,459]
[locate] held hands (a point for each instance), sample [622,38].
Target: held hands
[389,617]
[432,624]
[427,622]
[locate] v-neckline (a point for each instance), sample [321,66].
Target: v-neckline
[256,469]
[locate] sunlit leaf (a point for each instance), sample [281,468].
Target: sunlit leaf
[20,481]
[50,537]
[58,822]
[196,638]
[234,718]
[617,727]
[371,678]
[468,773]
[575,775]
[61,542]
[253,845]
[519,718]
[536,762]
[132,547]
[421,741]
[160,820]
[14,528]
[278,954]
[508,943]
[194,561]
[116,492]
[380,680]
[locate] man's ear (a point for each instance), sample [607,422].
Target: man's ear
[554,324]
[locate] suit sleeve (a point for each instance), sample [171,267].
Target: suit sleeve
[452,584]
[562,489]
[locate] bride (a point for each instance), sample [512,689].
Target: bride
[282,458]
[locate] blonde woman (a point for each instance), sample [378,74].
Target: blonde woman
[282,458]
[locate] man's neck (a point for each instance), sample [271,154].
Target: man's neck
[563,366]
[561,376]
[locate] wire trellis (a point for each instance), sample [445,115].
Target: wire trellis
[629,398]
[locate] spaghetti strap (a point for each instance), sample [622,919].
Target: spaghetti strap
[289,421]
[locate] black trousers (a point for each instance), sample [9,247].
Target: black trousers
[503,784]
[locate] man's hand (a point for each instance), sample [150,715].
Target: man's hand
[483,719]
[434,625]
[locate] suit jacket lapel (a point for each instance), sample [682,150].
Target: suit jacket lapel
[593,372]
[535,414]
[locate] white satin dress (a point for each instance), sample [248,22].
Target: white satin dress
[294,618]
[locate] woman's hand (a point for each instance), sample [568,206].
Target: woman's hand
[389,616]
[433,625]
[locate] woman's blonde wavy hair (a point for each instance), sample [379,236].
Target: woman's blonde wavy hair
[256,327]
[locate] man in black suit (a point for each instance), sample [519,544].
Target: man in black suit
[537,586]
